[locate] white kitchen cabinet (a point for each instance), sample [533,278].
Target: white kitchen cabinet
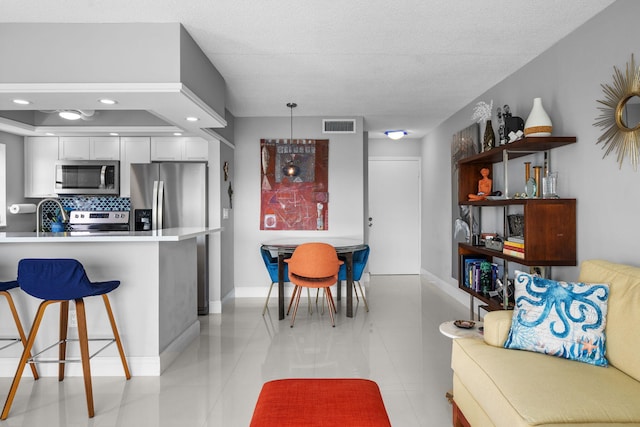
[40,156]
[132,150]
[89,148]
[195,149]
[73,148]
[104,148]
[179,149]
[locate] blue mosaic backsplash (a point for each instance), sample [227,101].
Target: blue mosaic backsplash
[81,203]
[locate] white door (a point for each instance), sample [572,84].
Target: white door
[394,216]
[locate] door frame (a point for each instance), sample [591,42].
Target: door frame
[419,195]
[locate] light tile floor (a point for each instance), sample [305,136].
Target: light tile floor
[216,381]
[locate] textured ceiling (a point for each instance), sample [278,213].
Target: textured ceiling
[402,64]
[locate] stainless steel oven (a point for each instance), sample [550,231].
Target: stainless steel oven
[87,177]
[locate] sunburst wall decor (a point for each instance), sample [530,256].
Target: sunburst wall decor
[620,135]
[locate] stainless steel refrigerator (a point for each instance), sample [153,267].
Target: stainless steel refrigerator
[175,195]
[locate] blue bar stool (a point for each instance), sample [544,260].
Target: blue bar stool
[60,281]
[4,291]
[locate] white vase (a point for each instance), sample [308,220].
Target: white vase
[538,123]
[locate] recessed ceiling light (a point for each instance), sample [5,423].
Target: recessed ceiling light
[70,114]
[396,134]
[114,134]
[107,101]
[177,134]
[21,101]
[49,134]
[192,119]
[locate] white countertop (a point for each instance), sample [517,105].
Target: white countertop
[165,235]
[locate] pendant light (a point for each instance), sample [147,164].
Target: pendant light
[291,170]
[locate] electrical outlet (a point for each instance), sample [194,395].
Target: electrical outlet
[73,319]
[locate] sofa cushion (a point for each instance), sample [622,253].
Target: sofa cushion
[559,318]
[521,388]
[623,345]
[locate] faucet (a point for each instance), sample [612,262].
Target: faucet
[63,212]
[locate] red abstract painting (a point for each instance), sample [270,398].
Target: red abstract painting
[293,179]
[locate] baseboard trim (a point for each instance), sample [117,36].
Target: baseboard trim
[111,366]
[263,291]
[452,291]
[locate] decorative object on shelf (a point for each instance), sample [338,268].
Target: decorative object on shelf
[530,186]
[620,115]
[489,140]
[514,126]
[516,224]
[549,186]
[482,113]
[494,243]
[538,123]
[537,174]
[484,186]
[502,140]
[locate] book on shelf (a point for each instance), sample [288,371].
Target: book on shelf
[513,244]
[479,273]
[516,239]
[513,253]
[513,247]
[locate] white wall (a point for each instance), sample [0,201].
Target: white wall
[568,78]
[15,183]
[385,147]
[346,191]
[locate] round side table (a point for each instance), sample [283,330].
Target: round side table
[448,329]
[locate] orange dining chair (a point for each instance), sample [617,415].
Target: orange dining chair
[313,265]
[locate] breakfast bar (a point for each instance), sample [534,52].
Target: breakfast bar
[155,306]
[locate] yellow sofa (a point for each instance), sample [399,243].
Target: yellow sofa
[494,386]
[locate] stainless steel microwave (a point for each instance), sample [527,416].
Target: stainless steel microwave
[87,177]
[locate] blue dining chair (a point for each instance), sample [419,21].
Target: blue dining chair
[271,263]
[359,262]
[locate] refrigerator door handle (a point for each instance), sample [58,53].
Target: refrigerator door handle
[154,207]
[160,204]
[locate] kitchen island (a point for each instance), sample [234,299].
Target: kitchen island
[155,306]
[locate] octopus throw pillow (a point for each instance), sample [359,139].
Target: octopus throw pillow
[559,318]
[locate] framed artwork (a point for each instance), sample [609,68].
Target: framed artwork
[294,184]
[464,143]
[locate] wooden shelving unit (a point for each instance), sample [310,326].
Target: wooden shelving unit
[549,224]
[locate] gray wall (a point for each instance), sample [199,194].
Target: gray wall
[385,147]
[567,77]
[346,191]
[15,183]
[226,237]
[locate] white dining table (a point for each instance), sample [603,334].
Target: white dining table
[345,247]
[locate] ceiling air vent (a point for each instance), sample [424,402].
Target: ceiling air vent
[338,126]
